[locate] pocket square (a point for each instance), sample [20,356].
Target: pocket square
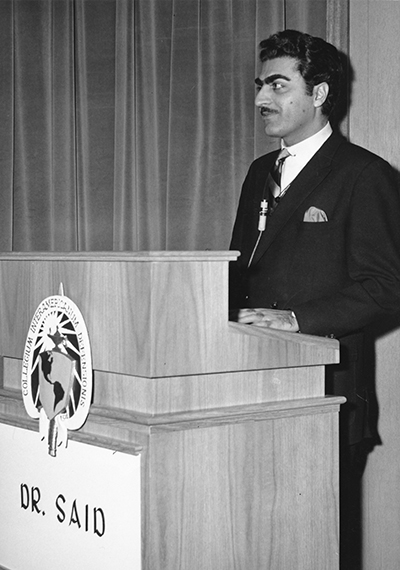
[314,214]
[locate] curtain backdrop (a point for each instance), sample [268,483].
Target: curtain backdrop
[130,124]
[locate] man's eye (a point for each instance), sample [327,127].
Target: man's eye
[276,85]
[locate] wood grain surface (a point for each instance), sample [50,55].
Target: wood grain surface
[150,316]
[239,444]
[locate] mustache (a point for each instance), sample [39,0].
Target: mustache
[264,110]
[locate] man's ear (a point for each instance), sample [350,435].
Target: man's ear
[320,93]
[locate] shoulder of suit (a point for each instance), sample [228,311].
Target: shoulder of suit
[353,151]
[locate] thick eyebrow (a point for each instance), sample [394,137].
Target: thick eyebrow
[268,80]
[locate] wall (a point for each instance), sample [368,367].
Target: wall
[375,123]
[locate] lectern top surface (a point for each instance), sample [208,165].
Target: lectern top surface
[116,256]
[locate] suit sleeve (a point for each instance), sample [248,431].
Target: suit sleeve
[372,257]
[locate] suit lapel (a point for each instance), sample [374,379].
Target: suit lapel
[304,184]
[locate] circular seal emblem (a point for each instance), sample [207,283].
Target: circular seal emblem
[57,368]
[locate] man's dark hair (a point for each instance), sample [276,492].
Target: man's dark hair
[317,61]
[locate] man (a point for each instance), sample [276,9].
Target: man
[320,249]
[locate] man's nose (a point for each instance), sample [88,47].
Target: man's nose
[263,97]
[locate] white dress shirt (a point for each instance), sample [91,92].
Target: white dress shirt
[301,153]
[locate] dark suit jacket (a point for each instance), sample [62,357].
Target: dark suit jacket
[337,276]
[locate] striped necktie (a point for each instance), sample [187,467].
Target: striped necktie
[274,180]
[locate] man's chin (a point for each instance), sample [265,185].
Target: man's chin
[271,132]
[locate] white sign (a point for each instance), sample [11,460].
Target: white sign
[79,511]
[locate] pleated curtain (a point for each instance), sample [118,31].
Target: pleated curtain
[130,124]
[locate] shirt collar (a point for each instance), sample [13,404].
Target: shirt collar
[301,153]
[308,147]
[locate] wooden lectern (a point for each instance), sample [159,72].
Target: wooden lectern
[239,442]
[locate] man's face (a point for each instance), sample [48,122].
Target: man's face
[287,111]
